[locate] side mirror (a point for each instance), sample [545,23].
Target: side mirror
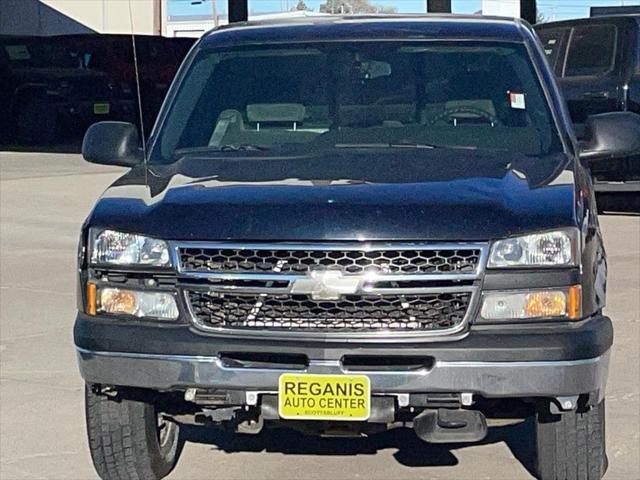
[610,135]
[112,143]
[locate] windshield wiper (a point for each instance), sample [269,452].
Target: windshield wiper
[413,145]
[223,148]
[426,146]
[385,145]
[242,147]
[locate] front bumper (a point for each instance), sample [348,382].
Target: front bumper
[631,186]
[83,112]
[489,379]
[501,361]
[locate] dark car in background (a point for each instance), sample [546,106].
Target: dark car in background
[158,60]
[597,64]
[47,95]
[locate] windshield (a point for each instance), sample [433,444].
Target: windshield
[309,97]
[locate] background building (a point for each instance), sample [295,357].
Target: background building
[60,17]
[190,18]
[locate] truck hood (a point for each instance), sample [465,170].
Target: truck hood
[368,194]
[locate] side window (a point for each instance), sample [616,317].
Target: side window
[554,43]
[592,50]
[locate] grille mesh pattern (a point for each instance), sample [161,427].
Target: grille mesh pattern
[355,313]
[347,261]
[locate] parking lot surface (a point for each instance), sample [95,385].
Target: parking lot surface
[45,197]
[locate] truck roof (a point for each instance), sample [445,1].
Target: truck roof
[355,27]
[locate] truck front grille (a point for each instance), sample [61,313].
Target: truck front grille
[351,313]
[332,290]
[351,262]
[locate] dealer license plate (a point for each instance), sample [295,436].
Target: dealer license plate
[303,396]
[101,108]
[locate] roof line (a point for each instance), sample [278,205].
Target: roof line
[368,18]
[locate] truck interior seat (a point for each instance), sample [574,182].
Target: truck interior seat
[267,124]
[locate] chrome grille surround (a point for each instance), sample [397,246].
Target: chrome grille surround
[249,259]
[433,311]
[305,290]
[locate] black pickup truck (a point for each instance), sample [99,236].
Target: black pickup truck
[345,224]
[597,64]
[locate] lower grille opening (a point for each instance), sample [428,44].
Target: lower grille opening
[366,363]
[351,313]
[268,360]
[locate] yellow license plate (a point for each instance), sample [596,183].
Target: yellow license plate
[303,396]
[101,108]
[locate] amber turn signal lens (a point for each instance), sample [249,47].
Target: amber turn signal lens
[92,306]
[565,302]
[545,304]
[574,308]
[138,303]
[113,300]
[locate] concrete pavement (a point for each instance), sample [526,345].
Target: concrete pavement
[43,201]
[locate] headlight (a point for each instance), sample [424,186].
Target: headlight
[158,305]
[557,303]
[118,248]
[548,249]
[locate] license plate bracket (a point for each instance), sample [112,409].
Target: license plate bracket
[306,396]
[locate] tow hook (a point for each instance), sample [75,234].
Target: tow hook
[564,404]
[450,426]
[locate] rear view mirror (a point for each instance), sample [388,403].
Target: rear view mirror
[112,143]
[611,135]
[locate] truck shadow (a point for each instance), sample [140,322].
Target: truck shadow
[411,451]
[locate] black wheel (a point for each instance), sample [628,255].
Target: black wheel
[130,439]
[571,445]
[36,123]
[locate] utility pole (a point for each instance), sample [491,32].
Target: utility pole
[214,10]
[528,11]
[238,10]
[438,6]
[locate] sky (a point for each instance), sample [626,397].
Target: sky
[550,9]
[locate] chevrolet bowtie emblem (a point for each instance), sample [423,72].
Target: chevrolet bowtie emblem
[326,285]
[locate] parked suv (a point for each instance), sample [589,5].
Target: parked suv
[597,63]
[345,223]
[48,95]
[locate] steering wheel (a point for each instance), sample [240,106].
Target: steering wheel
[450,113]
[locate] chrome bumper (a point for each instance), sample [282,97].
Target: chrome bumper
[489,379]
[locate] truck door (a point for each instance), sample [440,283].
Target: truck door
[591,75]
[633,100]
[554,43]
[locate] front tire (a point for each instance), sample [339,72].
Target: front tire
[571,445]
[129,439]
